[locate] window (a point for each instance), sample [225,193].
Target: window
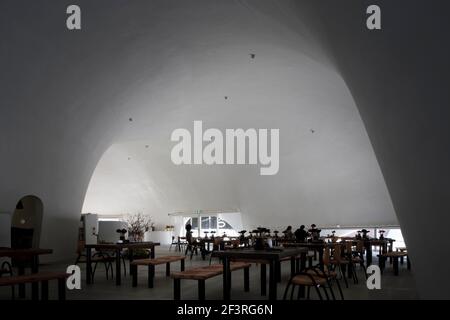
[209,224]
[391,232]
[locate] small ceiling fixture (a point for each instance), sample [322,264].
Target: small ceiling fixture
[252,55]
[146,146]
[130,119]
[226,97]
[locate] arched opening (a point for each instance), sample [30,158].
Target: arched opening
[26,222]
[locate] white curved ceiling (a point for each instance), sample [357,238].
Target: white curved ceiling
[328,172]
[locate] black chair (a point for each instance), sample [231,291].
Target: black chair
[98,257]
[106,259]
[192,248]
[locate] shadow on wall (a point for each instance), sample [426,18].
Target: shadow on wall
[26,223]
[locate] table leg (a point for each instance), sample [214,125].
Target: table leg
[88,266]
[273,280]
[396,266]
[247,279]
[278,271]
[369,254]
[321,258]
[226,273]
[130,255]
[302,261]
[263,279]
[118,268]
[292,266]
[152,252]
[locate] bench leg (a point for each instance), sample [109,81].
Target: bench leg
[263,279]
[168,269]
[61,289]
[201,289]
[21,286]
[151,275]
[182,264]
[44,290]
[134,274]
[176,289]
[34,291]
[247,279]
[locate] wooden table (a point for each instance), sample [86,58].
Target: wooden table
[273,256]
[369,243]
[117,247]
[32,254]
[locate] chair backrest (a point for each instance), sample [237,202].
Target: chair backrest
[326,256]
[348,247]
[360,246]
[337,253]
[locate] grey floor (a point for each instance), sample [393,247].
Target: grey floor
[392,287]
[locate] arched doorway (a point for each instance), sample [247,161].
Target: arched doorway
[26,223]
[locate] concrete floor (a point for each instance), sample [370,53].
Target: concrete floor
[392,287]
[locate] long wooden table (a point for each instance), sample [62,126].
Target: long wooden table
[117,247]
[31,254]
[273,257]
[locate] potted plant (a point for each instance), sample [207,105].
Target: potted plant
[138,224]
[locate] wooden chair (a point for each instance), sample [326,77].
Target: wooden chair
[306,280]
[327,273]
[338,261]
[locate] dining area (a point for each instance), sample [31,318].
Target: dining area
[259,265]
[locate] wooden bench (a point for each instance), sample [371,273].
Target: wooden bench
[203,273]
[151,263]
[402,249]
[395,256]
[41,277]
